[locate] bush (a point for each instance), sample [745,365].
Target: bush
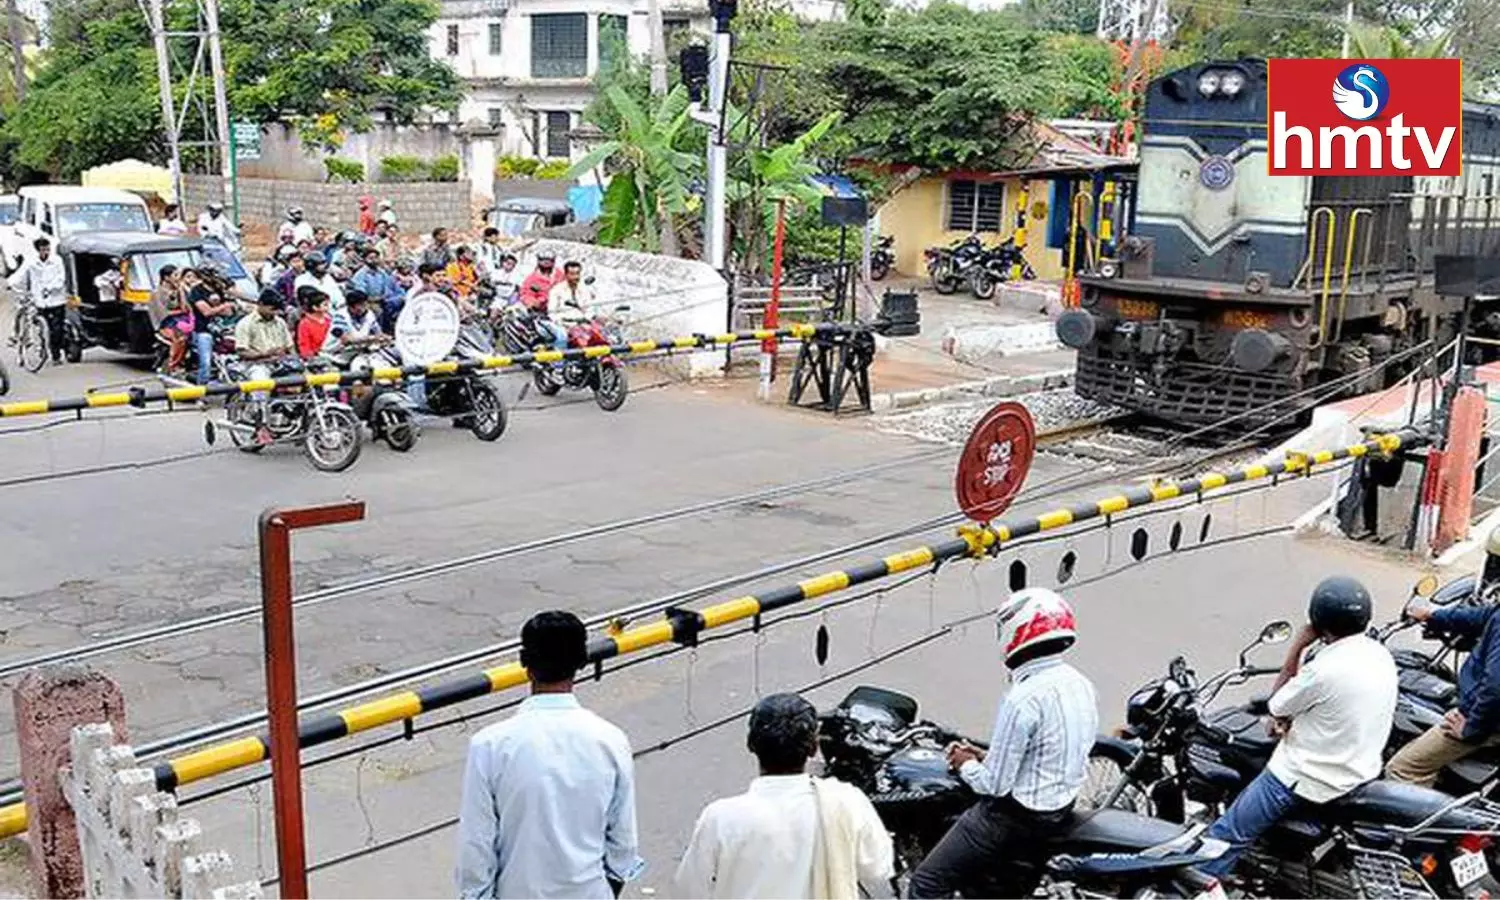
[402,168]
[516,167]
[344,170]
[444,168]
[552,171]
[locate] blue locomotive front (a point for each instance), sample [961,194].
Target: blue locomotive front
[1238,294]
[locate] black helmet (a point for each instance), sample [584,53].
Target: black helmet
[1340,607]
[315,258]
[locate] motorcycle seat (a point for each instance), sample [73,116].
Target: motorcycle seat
[1117,829]
[1391,802]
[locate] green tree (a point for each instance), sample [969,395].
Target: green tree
[328,63]
[1371,42]
[762,178]
[1063,16]
[647,192]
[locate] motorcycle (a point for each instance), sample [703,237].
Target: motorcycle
[327,429]
[882,257]
[1429,686]
[948,267]
[222,329]
[1382,839]
[874,741]
[995,265]
[604,375]
[471,399]
[385,407]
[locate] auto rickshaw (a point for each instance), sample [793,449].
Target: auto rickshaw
[129,324]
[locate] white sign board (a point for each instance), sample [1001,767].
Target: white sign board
[426,329]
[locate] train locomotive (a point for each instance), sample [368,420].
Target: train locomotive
[1237,296]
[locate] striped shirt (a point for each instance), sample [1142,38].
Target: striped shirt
[1044,729]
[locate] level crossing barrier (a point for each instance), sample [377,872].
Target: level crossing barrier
[683,626]
[140,397]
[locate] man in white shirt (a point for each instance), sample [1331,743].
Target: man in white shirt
[1333,713]
[44,282]
[1036,763]
[790,835]
[548,805]
[318,276]
[212,223]
[171,222]
[296,228]
[387,214]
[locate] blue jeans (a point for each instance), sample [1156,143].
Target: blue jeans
[203,345]
[1264,802]
[547,328]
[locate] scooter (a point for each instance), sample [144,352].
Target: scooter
[1383,839]
[874,741]
[470,399]
[384,407]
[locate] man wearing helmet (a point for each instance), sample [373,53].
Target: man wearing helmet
[296,227]
[1332,712]
[1474,723]
[1028,780]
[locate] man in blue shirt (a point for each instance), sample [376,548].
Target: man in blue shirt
[548,805]
[1474,723]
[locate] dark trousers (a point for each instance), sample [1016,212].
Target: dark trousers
[54,316]
[981,844]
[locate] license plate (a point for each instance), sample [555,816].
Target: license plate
[1469,868]
[1214,893]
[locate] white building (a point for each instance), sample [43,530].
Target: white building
[528,65]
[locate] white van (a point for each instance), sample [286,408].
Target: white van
[57,211]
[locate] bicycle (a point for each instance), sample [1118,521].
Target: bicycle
[29,337]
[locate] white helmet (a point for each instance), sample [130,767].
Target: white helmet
[1029,617]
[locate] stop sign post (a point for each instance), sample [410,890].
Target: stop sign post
[995,461]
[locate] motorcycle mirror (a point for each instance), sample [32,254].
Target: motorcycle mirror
[1278,632]
[622,308]
[1426,586]
[588,280]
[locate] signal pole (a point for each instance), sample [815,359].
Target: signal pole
[715,227]
[157,20]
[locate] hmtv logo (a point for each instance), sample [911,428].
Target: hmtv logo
[1365,116]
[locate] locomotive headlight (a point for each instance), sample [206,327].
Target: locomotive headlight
[1208,83]
[1232,83]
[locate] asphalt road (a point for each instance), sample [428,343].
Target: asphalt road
[105,554]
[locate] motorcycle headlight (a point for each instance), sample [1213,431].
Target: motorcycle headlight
[1208,83]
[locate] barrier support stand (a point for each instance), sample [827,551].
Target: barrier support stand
[276,527]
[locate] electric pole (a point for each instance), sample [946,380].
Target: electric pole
[164,79]
[715,225]
[221,101]
[198,89]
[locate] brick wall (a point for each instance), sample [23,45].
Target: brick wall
[420,207]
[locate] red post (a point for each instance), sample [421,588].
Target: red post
[276,527]
[1456,497]
[773,307]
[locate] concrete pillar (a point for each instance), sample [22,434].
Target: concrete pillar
[479,164]
[1456,498]
[49,702]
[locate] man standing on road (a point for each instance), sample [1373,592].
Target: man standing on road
[1036,763]
[44,281]
[790,835]
[1475,722]
[438,252]
[1333,714]
[548,805]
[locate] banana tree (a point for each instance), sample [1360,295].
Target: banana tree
[649,176]
[766,177]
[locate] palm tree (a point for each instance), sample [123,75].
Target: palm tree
[648,174]
[1379,42]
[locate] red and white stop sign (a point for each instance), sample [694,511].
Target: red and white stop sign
[995,461]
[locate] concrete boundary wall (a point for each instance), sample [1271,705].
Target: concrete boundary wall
[420,206]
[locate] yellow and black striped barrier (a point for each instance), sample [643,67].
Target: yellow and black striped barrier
[683,626]
[141,397]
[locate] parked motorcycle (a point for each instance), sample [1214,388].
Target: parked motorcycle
[327,429]
[882,257]
[949,266]
[995,265]
[1382,839]
[875,741]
